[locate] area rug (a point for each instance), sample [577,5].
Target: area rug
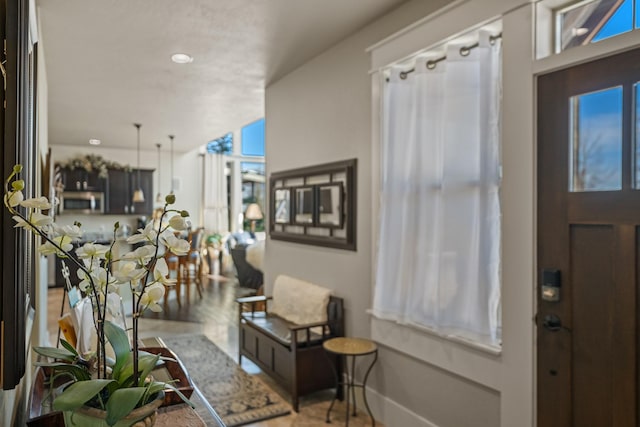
[237,397]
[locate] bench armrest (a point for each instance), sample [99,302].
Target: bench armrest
[254,299]
[308,325]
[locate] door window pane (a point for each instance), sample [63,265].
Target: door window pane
[596,141]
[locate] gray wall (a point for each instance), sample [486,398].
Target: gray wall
[320,113]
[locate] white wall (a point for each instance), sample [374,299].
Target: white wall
[319,113]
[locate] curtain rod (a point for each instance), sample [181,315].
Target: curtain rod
[464,51]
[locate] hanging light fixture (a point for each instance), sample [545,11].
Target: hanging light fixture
[138,195]
[159,196]
[171,138]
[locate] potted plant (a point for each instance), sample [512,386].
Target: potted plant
[112,389]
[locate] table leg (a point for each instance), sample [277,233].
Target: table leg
[338,385]
[349,383]
[364,389]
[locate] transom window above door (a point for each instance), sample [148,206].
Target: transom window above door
[590,21]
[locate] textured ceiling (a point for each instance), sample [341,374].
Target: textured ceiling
[108,62]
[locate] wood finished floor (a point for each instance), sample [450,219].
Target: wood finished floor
[215,315]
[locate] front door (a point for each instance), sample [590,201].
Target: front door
[588,244]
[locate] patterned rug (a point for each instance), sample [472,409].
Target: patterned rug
[236,396]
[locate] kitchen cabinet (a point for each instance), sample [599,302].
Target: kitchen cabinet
[119,192]
[79,179]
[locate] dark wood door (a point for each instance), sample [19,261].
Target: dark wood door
[588,218]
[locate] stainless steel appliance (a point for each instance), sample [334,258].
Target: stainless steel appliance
[81,202]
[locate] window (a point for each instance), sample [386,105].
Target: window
[222,145]
[253,190]
[439,241]
[253,139]
[594,20]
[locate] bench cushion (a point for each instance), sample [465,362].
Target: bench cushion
[278,328]
[298,301]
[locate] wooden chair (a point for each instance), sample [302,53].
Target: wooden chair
[173,262]
[191,264]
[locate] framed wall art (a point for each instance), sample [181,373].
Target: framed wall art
[315,205]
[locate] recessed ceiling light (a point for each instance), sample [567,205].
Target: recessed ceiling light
[94,141]
[181,58]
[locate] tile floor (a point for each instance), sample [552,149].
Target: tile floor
[215,315]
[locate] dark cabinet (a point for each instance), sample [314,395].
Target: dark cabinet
[119,192]
[79,179]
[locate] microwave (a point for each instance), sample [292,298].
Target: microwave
[81,202]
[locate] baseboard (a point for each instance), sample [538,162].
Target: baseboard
[391,413]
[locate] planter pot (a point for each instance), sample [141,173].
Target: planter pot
[144,416]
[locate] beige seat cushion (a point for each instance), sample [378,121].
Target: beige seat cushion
[298,301]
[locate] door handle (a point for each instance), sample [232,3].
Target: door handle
[552,323]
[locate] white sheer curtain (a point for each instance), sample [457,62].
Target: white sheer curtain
[216,209]
[439,249]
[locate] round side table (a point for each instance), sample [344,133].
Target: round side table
[353,347]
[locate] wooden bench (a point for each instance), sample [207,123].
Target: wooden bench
[283,344]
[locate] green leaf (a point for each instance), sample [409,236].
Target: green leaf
[145,361]
[120,342]
[79,393]
[147,368]
[121,402]
[179,393]
[79,373]
[56,353]
[68,347]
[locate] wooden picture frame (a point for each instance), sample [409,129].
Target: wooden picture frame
[322,205]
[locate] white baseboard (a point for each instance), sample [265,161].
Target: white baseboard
[389,412]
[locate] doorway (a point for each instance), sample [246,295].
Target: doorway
[588,244]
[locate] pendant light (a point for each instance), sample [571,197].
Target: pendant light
[138,195]
[171,138]
[159,196]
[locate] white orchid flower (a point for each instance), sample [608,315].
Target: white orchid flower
[161,273]
[40,220]
[14,198]
[177,222]
[91,263]
[174,244]
[72,231]
[99,276]
[151,296]
[92,250]
[63,242]
[36,219]
[142,255]
[126,271]
[36,203]
[147,235]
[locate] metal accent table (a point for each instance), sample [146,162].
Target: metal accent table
[353,347]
